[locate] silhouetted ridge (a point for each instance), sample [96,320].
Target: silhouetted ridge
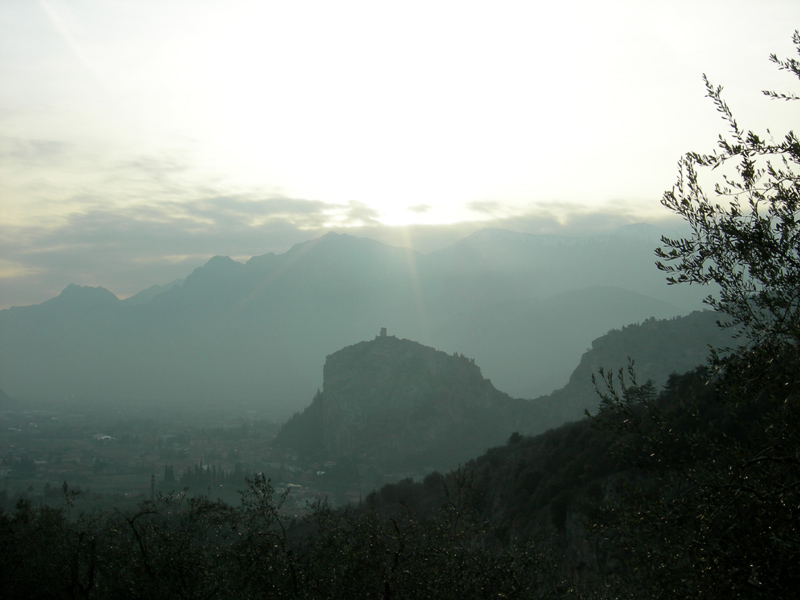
[658,347]
[218,267]
[148,294]
[78,295]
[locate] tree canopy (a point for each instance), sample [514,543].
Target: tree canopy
[714,510]
[745,234]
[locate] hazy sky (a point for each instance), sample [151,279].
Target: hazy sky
[138,138]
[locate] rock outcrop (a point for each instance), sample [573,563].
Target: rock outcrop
[396,403]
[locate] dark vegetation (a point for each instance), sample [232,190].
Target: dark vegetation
[688,492]
[179,547]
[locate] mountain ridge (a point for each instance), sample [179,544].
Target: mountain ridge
[257,333]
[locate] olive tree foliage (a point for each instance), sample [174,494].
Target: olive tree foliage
[745,233]
[711,503]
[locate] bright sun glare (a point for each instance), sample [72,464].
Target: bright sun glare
[381,108]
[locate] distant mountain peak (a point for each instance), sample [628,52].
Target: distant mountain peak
[221,262]
[346,248]
[217,267]
[86,295]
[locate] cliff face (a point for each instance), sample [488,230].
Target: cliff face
[397,403]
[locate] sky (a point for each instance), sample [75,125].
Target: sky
[139,138]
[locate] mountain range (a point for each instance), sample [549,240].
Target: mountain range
[525,307]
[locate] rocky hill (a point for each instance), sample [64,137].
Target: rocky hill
[657,347]
[398,404]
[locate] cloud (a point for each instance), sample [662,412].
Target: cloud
[484,206]
[419,208]
[11,270]
[158,168]
[246,211]
[359,214]
[31,152]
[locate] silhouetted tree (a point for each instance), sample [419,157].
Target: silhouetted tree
[713,509]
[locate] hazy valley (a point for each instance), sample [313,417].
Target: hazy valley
[129,395]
